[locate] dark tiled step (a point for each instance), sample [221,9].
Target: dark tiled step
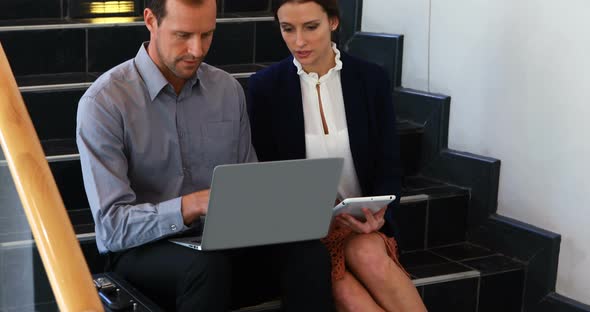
[501,277]
[40,307]
[72,79]
[64,162]
[60,147]
[411,215]
[57,138]
[15,228]
[22,269]
[498,286]
[90,50]
[431,221]
[422,221]
[462,252]
[410,144]
[445,285]
[244,5]
[242,69]
[457,296]
[75,81]
[418,184]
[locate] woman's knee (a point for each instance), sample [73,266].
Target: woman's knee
[366,253]
[345,290]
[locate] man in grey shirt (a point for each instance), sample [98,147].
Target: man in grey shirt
[150,131]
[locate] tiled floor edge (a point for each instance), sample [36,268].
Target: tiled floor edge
[445,278]
[271,305]
[85,85]
[29,242]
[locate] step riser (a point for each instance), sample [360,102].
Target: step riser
[432,222]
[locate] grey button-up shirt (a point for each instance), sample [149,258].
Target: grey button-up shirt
[142,146]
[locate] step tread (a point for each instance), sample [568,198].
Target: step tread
[421,185]
[55,79]
[409,126]
[58,147]
[76,78]
[431,262]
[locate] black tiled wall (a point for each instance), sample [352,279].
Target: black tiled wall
[97,49]
[45,51]
[457,296]
[508,286]
[233,43]
[447,220]
[245,5]
[68,177]
[47,107]
[411,220]
[410,145]
[270,46]
[108,47]
[434,222]
[9,199]
[19,9]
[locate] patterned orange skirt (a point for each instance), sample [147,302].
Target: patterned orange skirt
[335,244]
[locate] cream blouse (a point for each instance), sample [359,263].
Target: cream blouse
[336,143]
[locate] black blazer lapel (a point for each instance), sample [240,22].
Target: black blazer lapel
[291,123]
[357,120]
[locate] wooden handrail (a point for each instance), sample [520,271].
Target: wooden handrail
[56,241]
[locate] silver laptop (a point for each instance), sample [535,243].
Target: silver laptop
[264,203]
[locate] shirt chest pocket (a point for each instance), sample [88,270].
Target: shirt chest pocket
[220,143]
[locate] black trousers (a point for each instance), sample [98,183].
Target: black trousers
[181,279]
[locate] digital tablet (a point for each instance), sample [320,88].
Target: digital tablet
[353,205]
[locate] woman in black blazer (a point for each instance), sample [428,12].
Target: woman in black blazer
[321,102]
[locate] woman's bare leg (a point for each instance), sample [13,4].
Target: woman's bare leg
[367,259]
[351,296]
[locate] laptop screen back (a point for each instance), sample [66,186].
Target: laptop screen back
[274,202]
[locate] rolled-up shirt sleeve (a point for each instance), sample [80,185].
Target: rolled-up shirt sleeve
[121,222]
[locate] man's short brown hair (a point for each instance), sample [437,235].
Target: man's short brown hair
[158,7]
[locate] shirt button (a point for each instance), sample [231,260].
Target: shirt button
[173,227]
[180,134]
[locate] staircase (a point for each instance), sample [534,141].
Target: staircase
[460,254]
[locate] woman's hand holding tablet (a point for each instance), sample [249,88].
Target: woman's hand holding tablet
[353,205]
[362,214]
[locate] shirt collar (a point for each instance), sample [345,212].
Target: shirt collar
[151,74]
[336,68]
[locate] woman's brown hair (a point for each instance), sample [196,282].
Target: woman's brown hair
[330,6]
